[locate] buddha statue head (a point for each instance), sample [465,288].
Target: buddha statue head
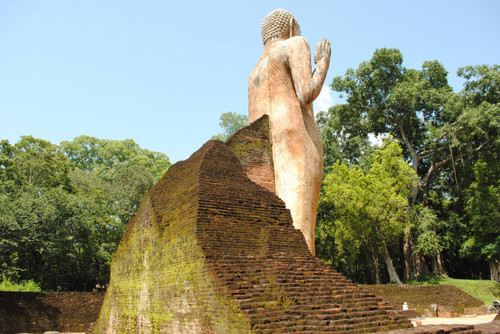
[279,23]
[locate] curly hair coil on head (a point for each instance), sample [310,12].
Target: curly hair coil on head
[276,24]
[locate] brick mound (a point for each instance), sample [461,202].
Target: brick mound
[451,301]
[211,251]
[37,312]
[252,146]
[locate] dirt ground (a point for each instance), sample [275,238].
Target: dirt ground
[464,320]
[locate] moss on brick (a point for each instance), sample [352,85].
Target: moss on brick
[252,146]
[159,278]
[213,250]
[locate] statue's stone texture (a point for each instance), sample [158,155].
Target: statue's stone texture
[283,86]
[211,251]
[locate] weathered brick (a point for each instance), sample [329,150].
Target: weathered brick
[213,250]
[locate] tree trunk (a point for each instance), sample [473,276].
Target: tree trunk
[377,268]
[393,275]
[421,265]
[414,266]
[407,258]
[437,264]
[415,159]
[494,270]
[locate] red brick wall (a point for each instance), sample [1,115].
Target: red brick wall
[252,146]
[37,312]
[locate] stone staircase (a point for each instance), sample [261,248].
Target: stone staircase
[299,294]
[251,246]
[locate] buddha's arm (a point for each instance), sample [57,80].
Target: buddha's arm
[308,86]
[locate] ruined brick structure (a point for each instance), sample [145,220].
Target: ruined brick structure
[211,251]
[38,312]
[252,147]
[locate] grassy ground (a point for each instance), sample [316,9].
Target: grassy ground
[484,290]
[7,285]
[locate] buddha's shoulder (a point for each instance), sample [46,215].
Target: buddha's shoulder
[290,43]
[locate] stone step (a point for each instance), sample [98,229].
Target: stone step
[352,303]
[351,326]
[283,294]
[320,318]
[326,320]
[296,287]
[303,280]
[301,310]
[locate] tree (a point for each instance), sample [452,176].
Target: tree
[230,122]
[114,173]
[63,210]
[33,162]
[370,208]
[476,176]
[101,156]
[442,133]
[482,209]
[427,242]
[406,103]
[343,139]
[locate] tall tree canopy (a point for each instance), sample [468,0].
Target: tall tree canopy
[63,208]
[451,141]
[369,209]
[419,109]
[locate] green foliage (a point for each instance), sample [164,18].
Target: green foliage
[102,157]
[425,225]
[25,286]
[63,209]
[344,139]
[369,209]
[482,206]
[33,162]
[482,83]
[386,98]
[475,192]
[451,141]
[230,122]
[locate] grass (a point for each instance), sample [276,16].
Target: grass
[25,286]
[485,290]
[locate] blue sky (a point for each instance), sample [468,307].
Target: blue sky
[162,72]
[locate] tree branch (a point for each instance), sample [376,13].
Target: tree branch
[435,166]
